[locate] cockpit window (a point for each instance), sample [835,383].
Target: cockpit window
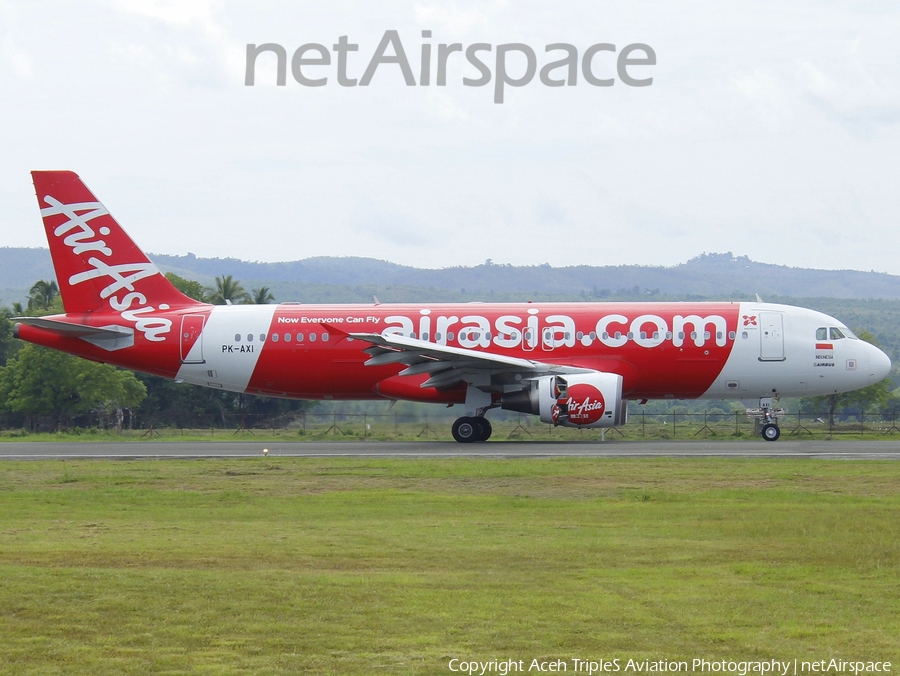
[822,333]
[836,333]
[849,333]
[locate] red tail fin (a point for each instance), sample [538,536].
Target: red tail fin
[98,266]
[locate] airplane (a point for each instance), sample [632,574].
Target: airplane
[572,364]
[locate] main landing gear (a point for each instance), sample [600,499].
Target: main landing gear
[470,429]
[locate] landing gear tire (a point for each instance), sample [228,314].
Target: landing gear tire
[468,430]
[486,428]
[771,432]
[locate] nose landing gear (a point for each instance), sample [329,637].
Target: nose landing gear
[771,432]
[767,419]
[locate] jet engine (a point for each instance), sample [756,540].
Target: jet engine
[578,400]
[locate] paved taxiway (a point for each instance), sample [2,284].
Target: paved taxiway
[888,450]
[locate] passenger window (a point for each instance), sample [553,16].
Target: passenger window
[299,337]
[425,336]
[451,336]
[312,337]
[274,337]
[437,336]
[262,337]
[836,333]
[237,337]
[249,337]
[579,335]
[822,333]
[731,335]
[287,337]
[325,337]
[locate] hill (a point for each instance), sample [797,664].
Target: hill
[335,279]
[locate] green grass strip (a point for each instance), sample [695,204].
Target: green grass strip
[345,566]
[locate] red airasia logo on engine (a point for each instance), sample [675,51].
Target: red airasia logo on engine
[585,404]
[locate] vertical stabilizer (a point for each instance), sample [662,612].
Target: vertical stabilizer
[98,266]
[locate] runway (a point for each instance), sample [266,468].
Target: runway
[848,450]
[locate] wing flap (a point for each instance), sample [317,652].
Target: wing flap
[447,366]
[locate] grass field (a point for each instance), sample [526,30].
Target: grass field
[314,566]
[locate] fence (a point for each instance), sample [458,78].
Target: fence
[506,426]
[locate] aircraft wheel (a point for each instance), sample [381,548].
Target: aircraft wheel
[486,429]
[771,432]
[466,430]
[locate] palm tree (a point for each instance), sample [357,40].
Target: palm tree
[228,291]
[261,296]
[17,309]
[41,295]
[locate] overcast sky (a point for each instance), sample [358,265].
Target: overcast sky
[771,130]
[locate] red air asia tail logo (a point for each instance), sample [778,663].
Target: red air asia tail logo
[81,238]
[585,404]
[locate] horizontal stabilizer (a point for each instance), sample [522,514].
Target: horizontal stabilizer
[110,337]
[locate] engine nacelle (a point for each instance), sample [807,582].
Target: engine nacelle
[580,400]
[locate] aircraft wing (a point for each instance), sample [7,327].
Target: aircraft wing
[447,366]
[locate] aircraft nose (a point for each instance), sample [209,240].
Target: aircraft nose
[879,365]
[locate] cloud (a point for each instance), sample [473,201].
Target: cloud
[176,12]
[860,101]
[197,47]
[12,53]
[452,18]
[765,123]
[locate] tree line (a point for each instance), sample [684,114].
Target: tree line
[44,389]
